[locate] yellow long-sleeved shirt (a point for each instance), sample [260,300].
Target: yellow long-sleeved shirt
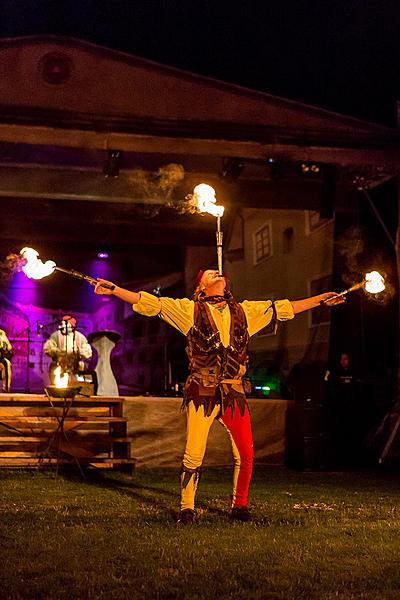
[180,313]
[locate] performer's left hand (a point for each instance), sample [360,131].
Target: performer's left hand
[331,299]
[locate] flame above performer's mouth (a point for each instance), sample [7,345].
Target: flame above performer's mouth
[204,195]
[374,282]
[35,268]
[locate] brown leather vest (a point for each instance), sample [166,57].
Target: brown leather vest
[216,372]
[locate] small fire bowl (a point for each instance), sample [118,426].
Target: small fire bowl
[66,392]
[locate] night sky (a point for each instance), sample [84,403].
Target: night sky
[342,55]
[338,54]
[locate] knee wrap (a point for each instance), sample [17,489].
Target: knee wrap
[187,474]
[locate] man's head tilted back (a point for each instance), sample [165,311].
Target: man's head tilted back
[211,283]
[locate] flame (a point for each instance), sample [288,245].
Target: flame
[60,381]
[204,195]
[374,282]
[34,267]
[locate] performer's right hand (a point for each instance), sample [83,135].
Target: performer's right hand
[100,289]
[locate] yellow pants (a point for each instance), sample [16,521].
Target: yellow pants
[239,431]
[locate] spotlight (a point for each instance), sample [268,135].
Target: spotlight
[232,168]
[310,168]
[111,168]
[103,253]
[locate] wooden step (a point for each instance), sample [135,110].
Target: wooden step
[16,399]
[17,439]
[35,460]
[52,418]
[45,413]
[30,423]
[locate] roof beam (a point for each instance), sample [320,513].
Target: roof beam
[258,144]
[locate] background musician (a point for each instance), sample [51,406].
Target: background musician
[5,364]
[68,348]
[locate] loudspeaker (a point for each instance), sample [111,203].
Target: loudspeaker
[309,420]
[306,440]
[309,385]
[313,455]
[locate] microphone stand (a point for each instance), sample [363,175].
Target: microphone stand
[74,349]
[27,330]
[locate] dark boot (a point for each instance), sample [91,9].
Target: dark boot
[186,516]
[240,513]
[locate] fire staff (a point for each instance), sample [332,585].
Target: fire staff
[217,330]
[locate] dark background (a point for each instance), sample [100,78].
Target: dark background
[342,55]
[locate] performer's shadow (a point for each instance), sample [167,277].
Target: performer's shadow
[156,497]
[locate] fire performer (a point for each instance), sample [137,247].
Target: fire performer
[218,330]
[5,364]
[67,348]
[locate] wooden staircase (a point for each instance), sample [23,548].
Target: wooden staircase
[38,431]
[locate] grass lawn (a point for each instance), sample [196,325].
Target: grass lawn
[314,536]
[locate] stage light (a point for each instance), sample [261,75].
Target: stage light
[232,168]
[113,163]
[310,168]
[264,390]
[103,254]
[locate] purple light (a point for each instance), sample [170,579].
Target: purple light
[102,254]
[22,289]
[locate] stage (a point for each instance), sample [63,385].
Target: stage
[147,431]
[157,429]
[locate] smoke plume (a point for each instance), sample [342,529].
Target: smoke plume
[13,263]
[159,185]
[355,260]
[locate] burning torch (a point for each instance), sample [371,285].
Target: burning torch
[35,268]
[373,283]
[204,197]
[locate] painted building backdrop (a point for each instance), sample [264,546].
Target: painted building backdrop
[268,254]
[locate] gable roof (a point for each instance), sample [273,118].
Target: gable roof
[108,99]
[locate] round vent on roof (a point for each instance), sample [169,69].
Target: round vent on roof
[55,68]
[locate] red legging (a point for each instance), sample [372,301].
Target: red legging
[239,431]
